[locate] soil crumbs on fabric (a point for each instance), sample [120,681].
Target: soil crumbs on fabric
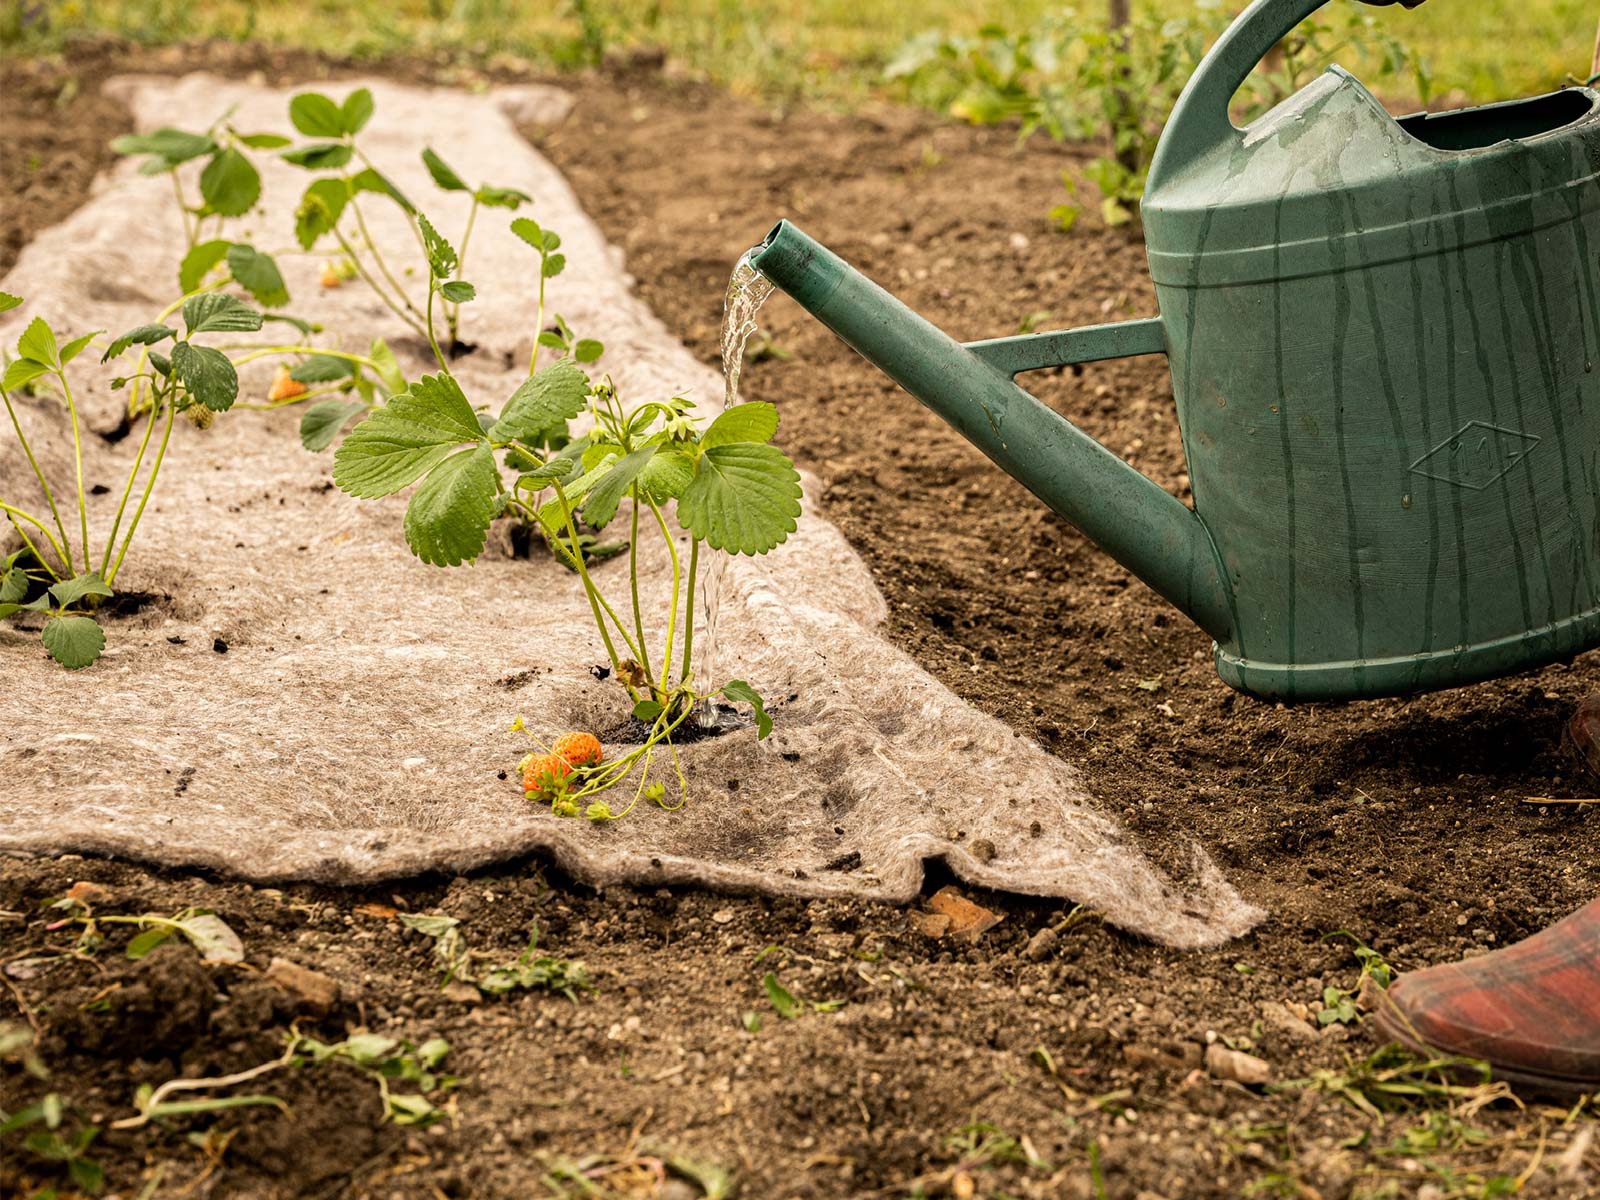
[1047,1056]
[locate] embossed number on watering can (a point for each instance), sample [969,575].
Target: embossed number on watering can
[1476,455]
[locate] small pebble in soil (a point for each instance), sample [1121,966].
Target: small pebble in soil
[220,646]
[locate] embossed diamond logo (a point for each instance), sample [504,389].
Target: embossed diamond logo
[1476,455]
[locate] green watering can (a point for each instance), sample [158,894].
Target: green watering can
[1383,337]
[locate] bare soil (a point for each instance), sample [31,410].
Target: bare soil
[1405,822]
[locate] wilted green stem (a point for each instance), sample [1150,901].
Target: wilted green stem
[49,496]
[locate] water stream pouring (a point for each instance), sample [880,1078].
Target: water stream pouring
[1382,335]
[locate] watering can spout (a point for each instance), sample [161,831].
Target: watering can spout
[1145,528]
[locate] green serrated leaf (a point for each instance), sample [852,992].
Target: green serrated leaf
[230,183]
[207,374]
[447,521]
[319,210]
[744,499]
[554,395]
[263,141]
[199,261]
[77,345]
[38,342]
[499,197]
[458,291]
[169,146]
[528,230]
[554,265]
[320,156]
[588,350]
[738,689]
[442,174]
[315,115]
[755,421]
[373,180]
[442,258]
[667,475]
[647,711]
[21,371]
[322,368]
[258,274]
[213,312]
[70,591]
[405,438]
[74,641]
[355,112]
[13,585]
[324,419]
[145,335]
[8,301]
[602,501]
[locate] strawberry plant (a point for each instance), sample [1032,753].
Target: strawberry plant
[721,484]
[332,208]
[58,573]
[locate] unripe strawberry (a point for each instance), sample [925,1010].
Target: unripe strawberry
[545,774]
[579,749]
[284,388]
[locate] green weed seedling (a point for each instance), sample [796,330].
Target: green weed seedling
[530,971]
[201,927]
[1341,1005]
[53,1133]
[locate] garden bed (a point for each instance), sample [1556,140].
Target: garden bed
[1402,822]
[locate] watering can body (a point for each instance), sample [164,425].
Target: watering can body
[1384,339]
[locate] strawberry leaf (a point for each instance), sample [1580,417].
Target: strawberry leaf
[447,521]
[745,498]
[405,438]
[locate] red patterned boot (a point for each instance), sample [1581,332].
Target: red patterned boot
[1531,1010]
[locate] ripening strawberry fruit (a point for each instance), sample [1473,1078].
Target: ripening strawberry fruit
[330,277]
[579,749]
[545,774]
[284,388]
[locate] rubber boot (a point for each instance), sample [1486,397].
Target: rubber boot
[1531,1010]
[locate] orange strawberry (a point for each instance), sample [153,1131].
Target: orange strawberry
[284,388]
[330,277]
[579,749]
[544,774]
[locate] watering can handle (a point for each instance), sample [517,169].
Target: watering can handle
[1199,122]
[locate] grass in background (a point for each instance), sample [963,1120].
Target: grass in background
[827,50]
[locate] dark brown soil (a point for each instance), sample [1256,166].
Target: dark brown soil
[1403,822]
